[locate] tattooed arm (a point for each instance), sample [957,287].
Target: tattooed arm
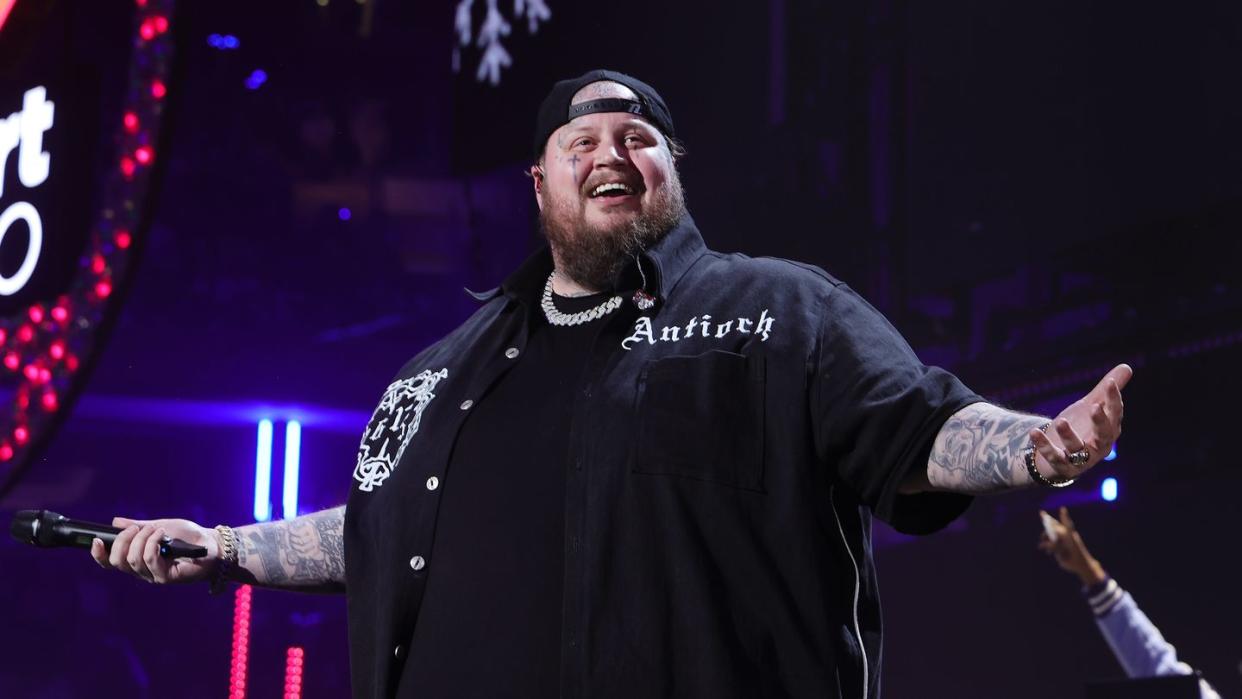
[979,449]
[306,554]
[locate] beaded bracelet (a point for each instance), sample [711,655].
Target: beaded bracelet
[1028,456]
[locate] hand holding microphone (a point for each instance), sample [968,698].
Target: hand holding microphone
[136,550]
[158,551]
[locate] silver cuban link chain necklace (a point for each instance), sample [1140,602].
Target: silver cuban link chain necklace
[556,317]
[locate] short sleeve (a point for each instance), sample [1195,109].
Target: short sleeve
[876,410]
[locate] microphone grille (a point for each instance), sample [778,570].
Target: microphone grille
[35,527]
[24,526]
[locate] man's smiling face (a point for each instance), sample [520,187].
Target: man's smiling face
[607,187]
[608,167]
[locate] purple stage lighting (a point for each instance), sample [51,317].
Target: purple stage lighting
[344,213]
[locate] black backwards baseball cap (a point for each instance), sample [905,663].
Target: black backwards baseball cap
[556,110]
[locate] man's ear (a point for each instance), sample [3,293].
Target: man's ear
[537,175]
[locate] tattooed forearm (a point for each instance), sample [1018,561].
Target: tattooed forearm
[306,553]
[979,450]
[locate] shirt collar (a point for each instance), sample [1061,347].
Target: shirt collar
[664,264]
[672,257]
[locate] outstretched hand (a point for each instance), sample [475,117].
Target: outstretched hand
[1067,548]
[1091,424]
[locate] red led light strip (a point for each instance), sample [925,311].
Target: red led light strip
[293,673]
[241,643]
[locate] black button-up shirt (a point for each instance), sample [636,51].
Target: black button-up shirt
[728,446]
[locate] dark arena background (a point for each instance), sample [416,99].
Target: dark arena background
[253,213]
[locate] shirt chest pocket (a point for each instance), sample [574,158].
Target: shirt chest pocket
[702,417]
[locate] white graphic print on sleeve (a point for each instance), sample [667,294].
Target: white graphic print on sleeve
[393,424]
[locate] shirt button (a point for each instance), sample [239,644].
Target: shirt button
[417,563]
[399,652]
[467,404]
[433,483]
[511,352]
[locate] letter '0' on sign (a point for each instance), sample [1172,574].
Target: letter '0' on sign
[26,212]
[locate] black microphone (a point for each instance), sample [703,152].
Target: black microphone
[48,529]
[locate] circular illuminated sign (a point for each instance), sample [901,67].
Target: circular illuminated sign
[83,88]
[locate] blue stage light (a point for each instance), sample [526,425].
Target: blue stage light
[223,42]
[344,213]
[293,455]
[263,473]
[1108,489]
[256,79]
[1112,454]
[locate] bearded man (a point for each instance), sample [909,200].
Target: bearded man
[643,468]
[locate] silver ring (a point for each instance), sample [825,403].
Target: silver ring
[1080,457]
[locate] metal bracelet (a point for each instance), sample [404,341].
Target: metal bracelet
[228,558]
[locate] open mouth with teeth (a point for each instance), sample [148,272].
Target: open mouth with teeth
[612,190]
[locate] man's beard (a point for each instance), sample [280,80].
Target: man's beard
[594,255]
